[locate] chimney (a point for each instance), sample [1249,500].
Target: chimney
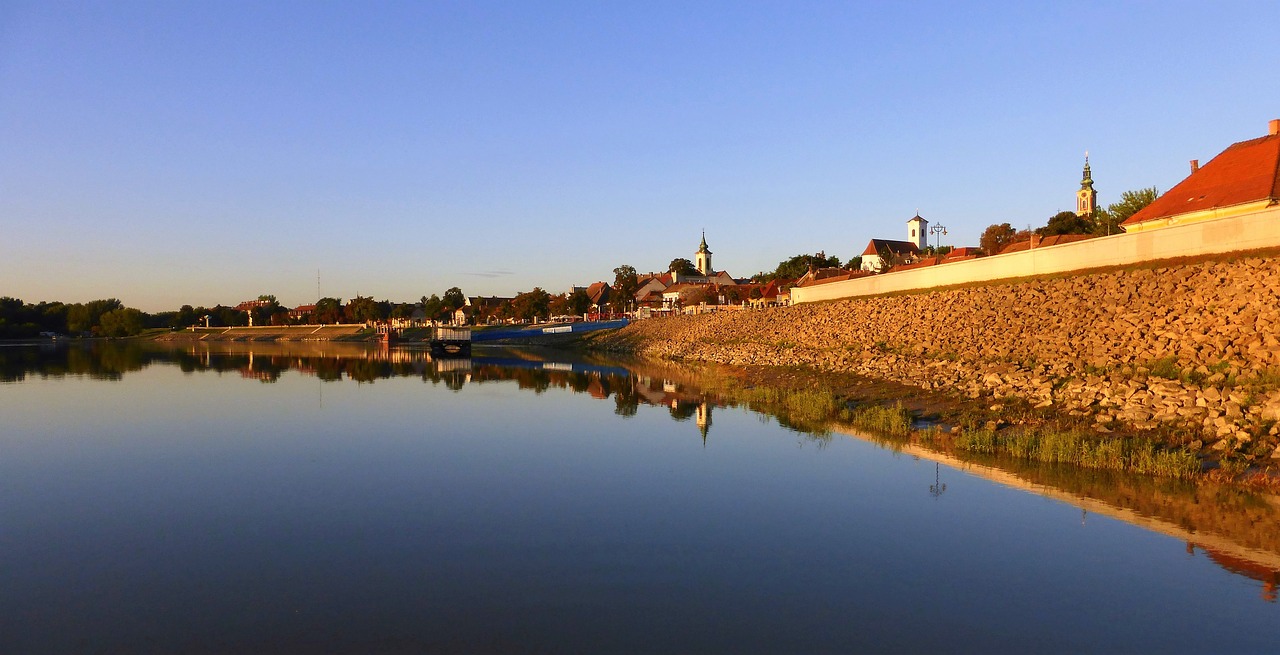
[1274,126]
[1195,165]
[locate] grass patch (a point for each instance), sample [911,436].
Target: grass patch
[1166,367]
[894,421]
[1079,448]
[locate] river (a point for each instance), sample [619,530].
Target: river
[338,498]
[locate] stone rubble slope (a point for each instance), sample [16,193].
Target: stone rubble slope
[1093,344]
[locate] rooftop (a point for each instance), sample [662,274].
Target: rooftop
[1245,172]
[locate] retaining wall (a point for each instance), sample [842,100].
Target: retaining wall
[1237,233]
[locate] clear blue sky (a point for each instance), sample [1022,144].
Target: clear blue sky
[208,152]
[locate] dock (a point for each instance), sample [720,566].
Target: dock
[450,342]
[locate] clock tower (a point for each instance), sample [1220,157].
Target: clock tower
[1086,197]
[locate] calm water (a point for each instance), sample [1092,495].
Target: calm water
[328,499]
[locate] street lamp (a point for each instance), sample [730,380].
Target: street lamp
[936,229]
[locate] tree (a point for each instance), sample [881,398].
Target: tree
[737,294]
[185,317]
[531,305]
[265,314]
[1130,203]
[886,260]
[798,265]
[625,284]
[579,302]
[85,317]
[453,298]
[328,310]
[124,322]
[996,237]
[1066,223]
[363,309]
[433,307]
[683,266]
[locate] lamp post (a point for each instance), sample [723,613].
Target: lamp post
[936,229]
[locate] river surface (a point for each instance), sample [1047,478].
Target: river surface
[328,498]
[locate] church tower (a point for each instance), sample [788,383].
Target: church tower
[702,260]
[917,229]
[1086,197]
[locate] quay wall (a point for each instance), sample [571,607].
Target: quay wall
[1193,344]
[1254,231]
[267,333]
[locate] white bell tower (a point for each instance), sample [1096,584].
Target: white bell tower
[918,231]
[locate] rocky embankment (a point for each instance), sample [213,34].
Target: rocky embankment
[1192,349]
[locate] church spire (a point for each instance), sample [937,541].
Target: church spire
[1086,197]
[702,259]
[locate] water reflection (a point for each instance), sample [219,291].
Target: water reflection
[1234,529]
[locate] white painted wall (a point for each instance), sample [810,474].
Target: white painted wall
[1247,232]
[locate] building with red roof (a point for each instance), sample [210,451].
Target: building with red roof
[1242,179]
[880,254]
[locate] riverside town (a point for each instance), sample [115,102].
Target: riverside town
[427,328]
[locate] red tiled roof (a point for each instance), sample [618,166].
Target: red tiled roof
[599,293]
[966,251]
[844,275]
[677,288]
[927,261]
[875,246]
[1045,242]
[1245,172]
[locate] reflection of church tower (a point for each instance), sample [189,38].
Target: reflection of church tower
[703,259]
[703,417]
[1086,197]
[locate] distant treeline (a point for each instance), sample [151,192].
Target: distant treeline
[110,318]
[101,318]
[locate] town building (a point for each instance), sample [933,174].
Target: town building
[1243,179]
[882,254]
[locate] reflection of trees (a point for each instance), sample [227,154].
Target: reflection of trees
[626,401]
[98,360]
[578,381]
[683,410]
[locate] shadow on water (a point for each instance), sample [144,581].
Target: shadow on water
[1234,528]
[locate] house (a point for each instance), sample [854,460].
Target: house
[600,294]
[678,294]
[253,304]
[302,312]
[881,254]
[479,309]
[651,288]
[966,252]
[768,295]
[1242,179]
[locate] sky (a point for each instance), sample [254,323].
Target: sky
[169,153]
